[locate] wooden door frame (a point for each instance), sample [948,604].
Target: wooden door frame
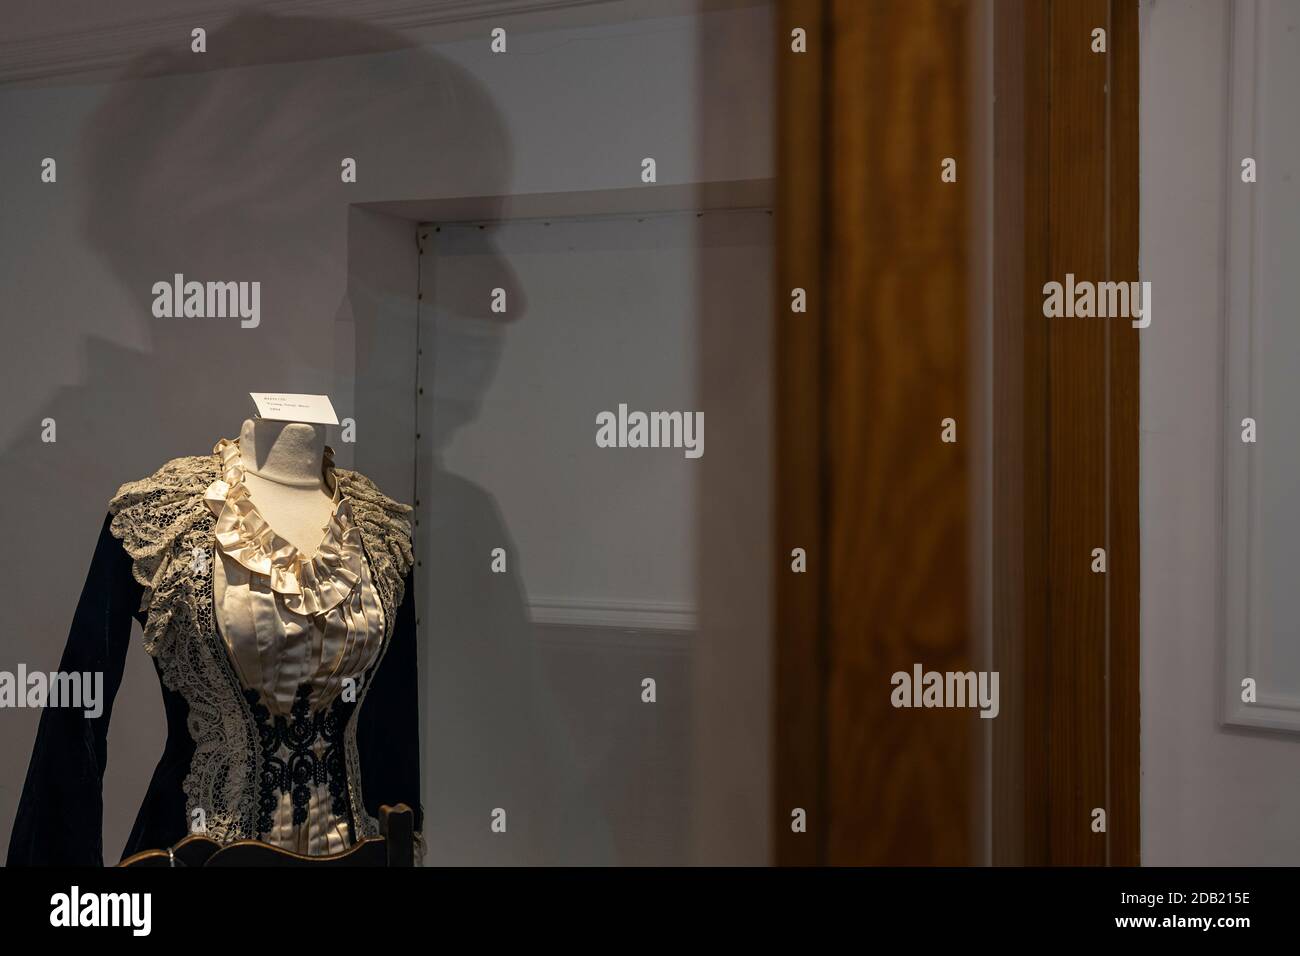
[1065,436]
[1063,420]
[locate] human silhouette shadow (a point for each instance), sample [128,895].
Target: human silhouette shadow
[225,166]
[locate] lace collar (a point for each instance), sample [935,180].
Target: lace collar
[308,584]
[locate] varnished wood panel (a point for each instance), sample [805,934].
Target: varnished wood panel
[900,780]
[1093,624]
[1067,636]
[1077,389]
[882,356]
[889,576]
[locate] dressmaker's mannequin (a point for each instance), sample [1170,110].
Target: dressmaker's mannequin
[283,471]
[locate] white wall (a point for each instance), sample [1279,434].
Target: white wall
[1211,794]
[611,318]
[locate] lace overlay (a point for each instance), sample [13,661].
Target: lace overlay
[166,526]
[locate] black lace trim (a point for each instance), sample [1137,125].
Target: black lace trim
[290,763]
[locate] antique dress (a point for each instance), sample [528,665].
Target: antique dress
[289,680]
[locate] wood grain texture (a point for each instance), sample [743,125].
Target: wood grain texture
[1068,637]
[879,241]
[866,376]
[1076,598]
[900,780]
[1093,481]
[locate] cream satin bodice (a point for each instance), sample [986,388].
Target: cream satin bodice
[300,631]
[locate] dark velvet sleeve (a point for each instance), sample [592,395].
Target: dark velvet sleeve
[60,813]
[388,729]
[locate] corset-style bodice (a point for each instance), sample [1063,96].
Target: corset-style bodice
[301,630]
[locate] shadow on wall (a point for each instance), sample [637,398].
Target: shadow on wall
[225,166]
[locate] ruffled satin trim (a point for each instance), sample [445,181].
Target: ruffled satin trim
[308,585]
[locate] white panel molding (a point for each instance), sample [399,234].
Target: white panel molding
[618,641]
[1240,587]
[628,615]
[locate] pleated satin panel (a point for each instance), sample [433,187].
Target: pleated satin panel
[296,627]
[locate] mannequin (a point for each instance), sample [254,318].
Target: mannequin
[252,651]
[284,473]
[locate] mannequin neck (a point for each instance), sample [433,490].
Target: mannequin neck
[288,453]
